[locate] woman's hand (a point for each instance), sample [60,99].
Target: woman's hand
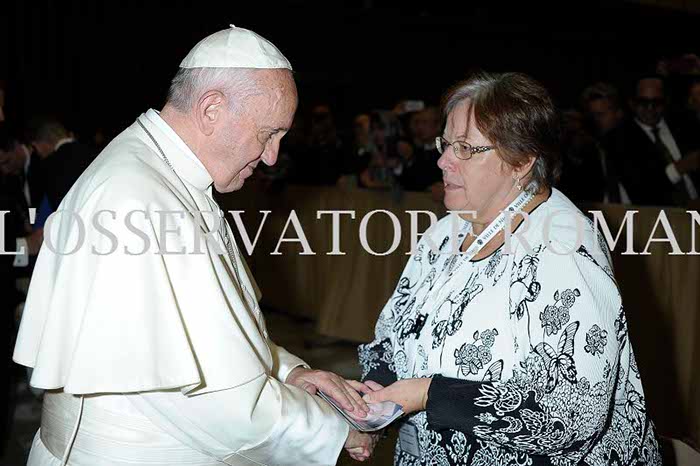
[411,394]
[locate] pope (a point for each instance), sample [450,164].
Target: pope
[142,319]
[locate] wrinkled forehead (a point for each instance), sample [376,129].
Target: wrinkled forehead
[280,81]
[274,86]
[274,104]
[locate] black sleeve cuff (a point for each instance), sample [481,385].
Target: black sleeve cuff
[450,403]
[382,375]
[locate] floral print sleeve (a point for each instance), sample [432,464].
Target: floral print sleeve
[575,393]
[377,358]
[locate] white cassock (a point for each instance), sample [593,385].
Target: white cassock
[173,363]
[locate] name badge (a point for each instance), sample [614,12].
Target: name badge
[408,439]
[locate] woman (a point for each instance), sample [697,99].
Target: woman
[516,350]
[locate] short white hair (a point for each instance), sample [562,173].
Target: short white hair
[237,84]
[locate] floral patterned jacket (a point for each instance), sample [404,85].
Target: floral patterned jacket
[528,349]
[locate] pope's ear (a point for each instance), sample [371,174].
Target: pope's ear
[210,110]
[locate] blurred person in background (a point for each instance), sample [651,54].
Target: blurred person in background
[360,150]
[15,158]
[656,155]
[321,163]
[588,174]
[693,99]
[386,151]
[64,158]
[677,72]
[418,169]
[601,104]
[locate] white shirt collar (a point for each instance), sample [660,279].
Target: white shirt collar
[154,117]
[62,142]
[650,129]
[27,158]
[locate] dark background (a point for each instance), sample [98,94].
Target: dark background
[101,63]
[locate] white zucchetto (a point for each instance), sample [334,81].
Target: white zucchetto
[235,48]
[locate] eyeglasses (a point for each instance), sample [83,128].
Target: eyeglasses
[462,149]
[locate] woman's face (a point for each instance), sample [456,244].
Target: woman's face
[484,184]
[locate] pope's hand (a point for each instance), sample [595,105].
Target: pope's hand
[360,445]
[344,392]
[411,394]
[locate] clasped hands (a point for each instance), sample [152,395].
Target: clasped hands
[412,394]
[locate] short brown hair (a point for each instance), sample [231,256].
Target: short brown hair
[600,90]
[518,116]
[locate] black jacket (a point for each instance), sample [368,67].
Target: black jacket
[62,169]
[641,167]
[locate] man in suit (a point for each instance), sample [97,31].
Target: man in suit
[22,186]
[588,172]
[693,99]
[657,157]
[63,157]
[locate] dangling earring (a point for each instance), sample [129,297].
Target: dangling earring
[518,186]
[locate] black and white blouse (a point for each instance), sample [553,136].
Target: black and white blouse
[528,350]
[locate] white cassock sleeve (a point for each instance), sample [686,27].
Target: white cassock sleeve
[283,362]
[262,422]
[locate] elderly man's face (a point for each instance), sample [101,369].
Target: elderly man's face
[253,134]
[650,102]
[482,183]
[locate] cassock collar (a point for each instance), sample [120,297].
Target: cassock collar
[184,161]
